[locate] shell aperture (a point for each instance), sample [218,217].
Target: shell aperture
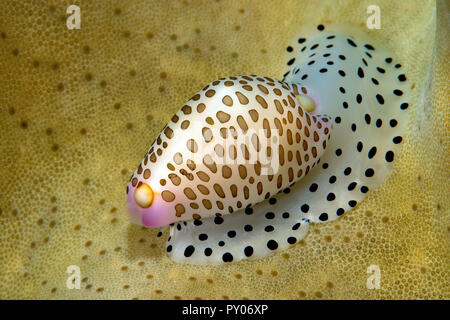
[358,84]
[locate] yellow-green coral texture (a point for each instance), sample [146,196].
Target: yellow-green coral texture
[79,109]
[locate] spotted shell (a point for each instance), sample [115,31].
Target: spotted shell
[236,142]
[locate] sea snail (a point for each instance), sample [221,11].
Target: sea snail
[248,162]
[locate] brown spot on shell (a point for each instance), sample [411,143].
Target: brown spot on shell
[281,154]
[219,191]
[279,106]
[242,123]
[168,132]
[291,101]
[316,136]
[185,124]
[279,126]
[246,192]
[192,145]
[202,176]
[207,134]
[257,167]
[179,209]
[227,100]
[203,189]
[175,179]
[266,128]
[259,188]
[207,204]
[233,189]
[186,109]
[224,133]
[242,98]
[219,150]
[254,115]
[299,158]
[223,116]
[178,158]
[209,163]
[279,181]
[291,174]
[188,175]
[308,119]
[305,145]
[242,171]
[210,93]
[232,152]
[290,117]
[201,107]
[233,132]
[289,136]
[191,164]
[190,194]
[255,142]
[261,101]
[167,196]
[263,89]
[245,151]
[226,172]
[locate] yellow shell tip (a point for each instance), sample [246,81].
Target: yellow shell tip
[143,195]
[306,102]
